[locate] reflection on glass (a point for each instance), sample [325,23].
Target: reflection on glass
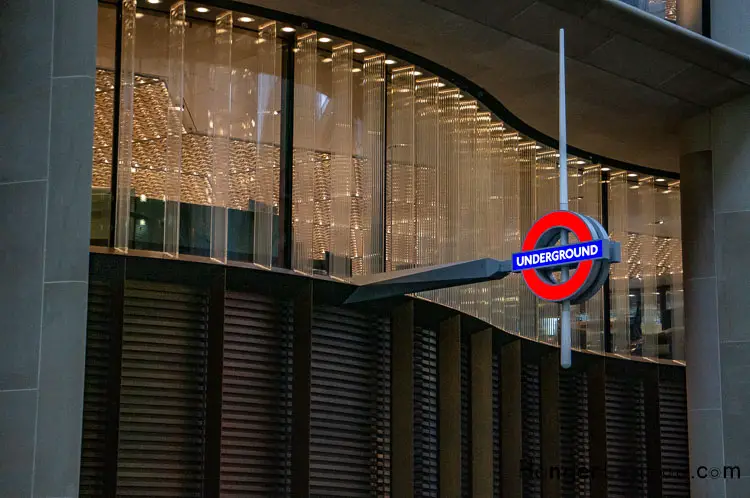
[101,200]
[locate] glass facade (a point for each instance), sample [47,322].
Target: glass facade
[665,9]
[391,167]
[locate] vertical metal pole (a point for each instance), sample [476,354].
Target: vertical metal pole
[565,313]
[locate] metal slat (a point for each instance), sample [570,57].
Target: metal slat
[350,389]
[574,434]
[497,484]
[162,399]
[674,438]
[465,421]
[532,437]
[256,394]
[95,390]
[426,458]
[626,444]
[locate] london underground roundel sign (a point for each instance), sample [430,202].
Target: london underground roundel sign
[588,257]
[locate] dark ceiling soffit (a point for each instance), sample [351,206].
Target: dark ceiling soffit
[492,103]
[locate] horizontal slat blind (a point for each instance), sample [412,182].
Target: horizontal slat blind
[95,396]
[256,396]
[497,485]
[574,434]
[531,428]
[426,458]
[626,443]
[465,421]
[347,363]
[674,438]
[162,399]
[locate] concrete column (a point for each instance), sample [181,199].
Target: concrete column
[715,182]
[48,59]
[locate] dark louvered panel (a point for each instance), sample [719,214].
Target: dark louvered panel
[256,397]
[95,397]
[383,414]
[574,434]
[531,429]
[425,414]
[465,421]
[626,444]
[674,438]
[345,413]
[496,429]
[162,401]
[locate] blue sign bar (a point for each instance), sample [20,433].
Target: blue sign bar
[558,255]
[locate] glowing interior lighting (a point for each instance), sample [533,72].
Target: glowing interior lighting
[245,19]
[660,179]
[606,169]
[390,61]
[440,84]
[356,70]
[324,39]
[288,29]
[359,50]
[139,15]
[202,10]
[327,60]
[632,175]
[154,1]
[417,73]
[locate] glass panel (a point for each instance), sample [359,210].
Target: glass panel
[512,229]
[305,155]
[590,204]
[448,183]
[174,129]
[619,273]
[341,162]
[402,253]
[548,200]
[219,127]
[101,179]
[125,135]
[527,178]
[373,174]
[426,181]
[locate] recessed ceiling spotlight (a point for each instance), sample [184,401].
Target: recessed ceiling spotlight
[288,29]
[324,39]
[359,50]
[660,179]
[327,60]
[356,70]
[390,61]
[245,19]
[606,169]
[154,1]
[632,175]
[580,162]
[417,73]
[138,15]
[440,84]
[201,10]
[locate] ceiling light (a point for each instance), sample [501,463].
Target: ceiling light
[288,29]
[138,15]
[356,70]
[143,198]
[359,50]
[390,61]
[327,60]
[202,10]
[245,19]
[417,73]
[660,179]
[632,175]
[324,39]
[580,162]
[154,1]
[605,169]
[440,84]
[142,222]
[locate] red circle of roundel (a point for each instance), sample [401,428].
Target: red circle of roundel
[564,290]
